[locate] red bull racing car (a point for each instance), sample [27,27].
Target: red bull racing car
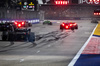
[68,25]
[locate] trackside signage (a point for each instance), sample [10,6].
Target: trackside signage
[96,2]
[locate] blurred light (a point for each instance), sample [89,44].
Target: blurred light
[61,2]
[96,0]
[56,2]
[96,13]
[66,2]
[29,21]
[19,25]
[8,21]
[32,20]
[23,23]
[13,21]
[38,20]
[25,7]
[75,24]
[4,21]
[70,24]
[66,26]
[63,24]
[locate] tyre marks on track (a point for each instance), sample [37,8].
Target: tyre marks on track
[41,40]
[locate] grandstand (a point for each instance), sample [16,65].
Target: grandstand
[69,11]
[14,14]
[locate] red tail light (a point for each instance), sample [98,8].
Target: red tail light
[94,13]
[19,25]
[23,23]
[63,24]
[61,2]
[75,24]
[71,24]
[97,13]
[66,27]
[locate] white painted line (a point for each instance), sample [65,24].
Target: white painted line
[80,51]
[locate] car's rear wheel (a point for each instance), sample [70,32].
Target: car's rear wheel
[43,23]
[4,37]
[76,27]
[50,23]
[61,28]
[72,28]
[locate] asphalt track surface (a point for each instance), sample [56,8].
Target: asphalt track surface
[54,48]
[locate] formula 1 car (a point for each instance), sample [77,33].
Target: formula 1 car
[17,31]
[68,25]
[47,22]
[74,24]
[22,24]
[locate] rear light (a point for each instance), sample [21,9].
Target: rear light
[75,24]
[70,24]
[23,23]
[94,13]
[66,27]
[63,24]
[19,25]
[97,13]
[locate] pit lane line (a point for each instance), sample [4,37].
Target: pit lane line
[81,50]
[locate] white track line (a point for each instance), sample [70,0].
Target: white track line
[80,51]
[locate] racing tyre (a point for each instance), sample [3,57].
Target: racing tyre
[32,37]
[76,27]
[4,37]
[29,30]
[72,28]
[50,23]
[61,28]
[43,23]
